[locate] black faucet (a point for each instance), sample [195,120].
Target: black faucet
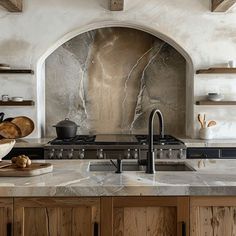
[150,154]
[118,165]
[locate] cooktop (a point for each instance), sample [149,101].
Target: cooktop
[116,139]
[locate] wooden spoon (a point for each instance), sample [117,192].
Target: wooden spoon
[200,120]
[9,130]
[211,123]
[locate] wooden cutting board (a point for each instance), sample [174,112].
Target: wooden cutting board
[9,130]
[33,170]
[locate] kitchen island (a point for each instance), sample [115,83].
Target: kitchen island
[73,178]
[74,199]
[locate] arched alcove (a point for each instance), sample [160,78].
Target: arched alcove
[112,82]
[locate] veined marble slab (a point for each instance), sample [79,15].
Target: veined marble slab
[73,178]
[33,142]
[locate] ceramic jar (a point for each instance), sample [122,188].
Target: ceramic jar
[206,133]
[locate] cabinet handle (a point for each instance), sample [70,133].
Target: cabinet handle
[95,229]
[183,228]
[9,227]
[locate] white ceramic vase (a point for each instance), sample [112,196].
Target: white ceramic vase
[206,133]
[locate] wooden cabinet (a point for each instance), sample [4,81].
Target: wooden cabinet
[213,216]
[6,216]
[144,216]
[118,216]
[56,216]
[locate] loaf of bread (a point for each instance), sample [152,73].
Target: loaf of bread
[21,161]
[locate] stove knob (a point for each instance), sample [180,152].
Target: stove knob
[161,154]
[70,153]
[100,154]
[81,155]
[181,154]
[59,154]
[128,155]
[135,154]
[170,153]
[51,154]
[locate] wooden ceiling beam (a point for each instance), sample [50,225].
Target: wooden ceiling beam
[12,5]
[222,5]
[116,5]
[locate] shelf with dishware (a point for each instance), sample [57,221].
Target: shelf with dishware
[208,102]
[6,69]
[16,71]
[17,103]
[217,70]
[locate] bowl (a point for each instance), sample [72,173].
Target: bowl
[216,97]
[5,147]
[17,99]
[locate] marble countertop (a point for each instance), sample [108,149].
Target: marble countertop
[31,142]
[209,143]
[73,178]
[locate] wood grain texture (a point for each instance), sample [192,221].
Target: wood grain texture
[213,216]
[107,216]
[139,221]
[64,216]
[222,5]
[12,103]
[150,216]
[12,5]
[6,214]
[217,70]
[33,170]
[212,103]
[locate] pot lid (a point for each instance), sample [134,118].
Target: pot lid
[66,123]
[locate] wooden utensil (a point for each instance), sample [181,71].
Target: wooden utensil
[9,130]
[204,121]
[200,120]
[211,123]
[4,164]
[25,124]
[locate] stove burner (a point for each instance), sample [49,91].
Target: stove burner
[78,139]
[157,140]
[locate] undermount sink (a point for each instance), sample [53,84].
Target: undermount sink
[134,166]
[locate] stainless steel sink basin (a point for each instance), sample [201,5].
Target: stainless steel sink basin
[134,166]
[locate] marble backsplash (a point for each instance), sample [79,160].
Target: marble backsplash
[108,80]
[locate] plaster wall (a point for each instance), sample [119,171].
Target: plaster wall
[209,39]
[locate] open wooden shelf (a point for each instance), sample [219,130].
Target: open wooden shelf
[16,71]
[213,70]
[12,103]
[206,102]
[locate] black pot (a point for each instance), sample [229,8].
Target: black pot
[66,129]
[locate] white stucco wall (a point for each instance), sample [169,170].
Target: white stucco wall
[208,38]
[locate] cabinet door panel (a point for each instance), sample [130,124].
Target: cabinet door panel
[145,216]
[6,214]
[213,216]
[148,221]
[38,218]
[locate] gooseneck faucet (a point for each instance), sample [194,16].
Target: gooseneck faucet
[150,154]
